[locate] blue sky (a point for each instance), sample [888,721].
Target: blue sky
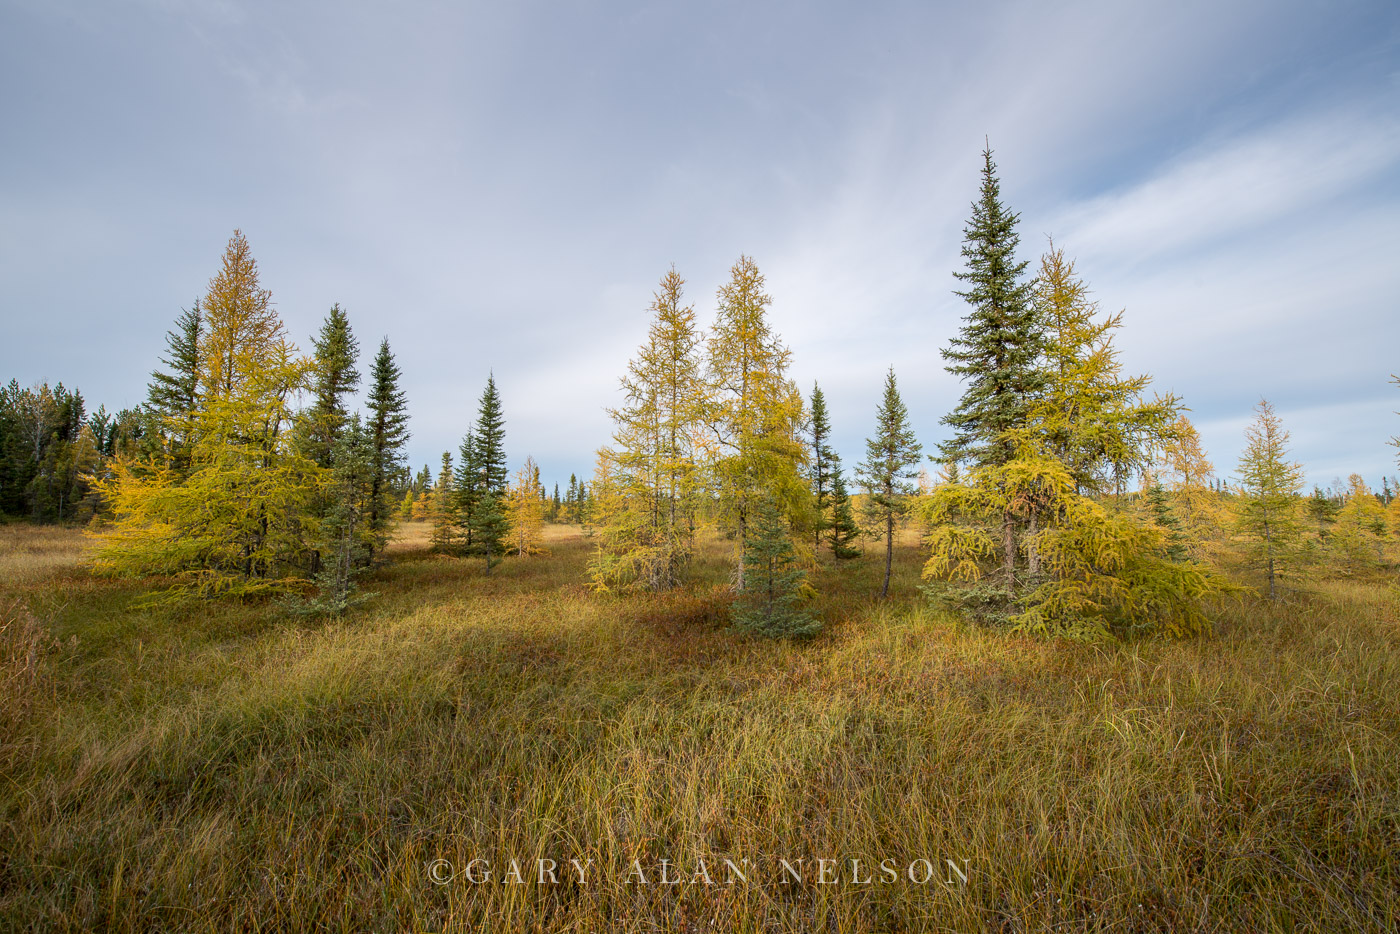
[500,186]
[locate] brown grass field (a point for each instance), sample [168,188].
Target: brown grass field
[220,767]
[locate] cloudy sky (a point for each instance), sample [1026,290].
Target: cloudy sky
[500,186]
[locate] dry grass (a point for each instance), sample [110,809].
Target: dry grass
[220,768]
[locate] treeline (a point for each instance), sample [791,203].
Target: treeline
[1069,500]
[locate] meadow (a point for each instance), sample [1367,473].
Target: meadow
[225,766]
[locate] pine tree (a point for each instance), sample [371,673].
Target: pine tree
[756,410]
[998,352]
[172,395]
[555,505]
[1269,487]
[888,469]
[771,602]
[388,427]
[334,380]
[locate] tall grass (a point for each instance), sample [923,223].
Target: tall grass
[221,768]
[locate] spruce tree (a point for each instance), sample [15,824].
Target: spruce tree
[998,352]
[1269,505]
[442,509]
[388,413]
[771,601]
[487,524]
[887,472]
[825,462]
[172,394]
[334,380]
[844,531]
[346,541]
[1160,514]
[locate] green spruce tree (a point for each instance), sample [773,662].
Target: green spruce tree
[887,472]
[487,524]
[844,530]
[825,462]
[998,352]
[334,380]
[771,601]
[173,393]
[388,414]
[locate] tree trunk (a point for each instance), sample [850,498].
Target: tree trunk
[1032,553]
[889,551]
[1008,545]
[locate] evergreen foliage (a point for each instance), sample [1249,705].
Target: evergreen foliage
[776,583]
[334,380]
[388,427]
[998,352]
[887,473]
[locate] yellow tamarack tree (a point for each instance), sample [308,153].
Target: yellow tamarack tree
[240,522]
[1100,572]
[525,510]
[756,413]
[1358,540]
[1188,472]
[1269,511]
[646,510]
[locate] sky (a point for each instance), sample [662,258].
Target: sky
[498,188]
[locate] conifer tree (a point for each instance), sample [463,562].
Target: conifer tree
[756,410]
[555,505]
[485,459]
[844,530]
[887,472]
[334,380]
[1091,417]
[1359,536]
[442,508]
[825,464]
[775,582]
[525,509]
[1161,516]
[172,395]
[345,537]
[1196,505]
[388,427]
[998,352]
[652,460]
[237,523]
[1269,487]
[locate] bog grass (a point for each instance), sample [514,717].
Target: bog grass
[222,767]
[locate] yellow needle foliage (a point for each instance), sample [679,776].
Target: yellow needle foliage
[241,521]
[1099,572]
